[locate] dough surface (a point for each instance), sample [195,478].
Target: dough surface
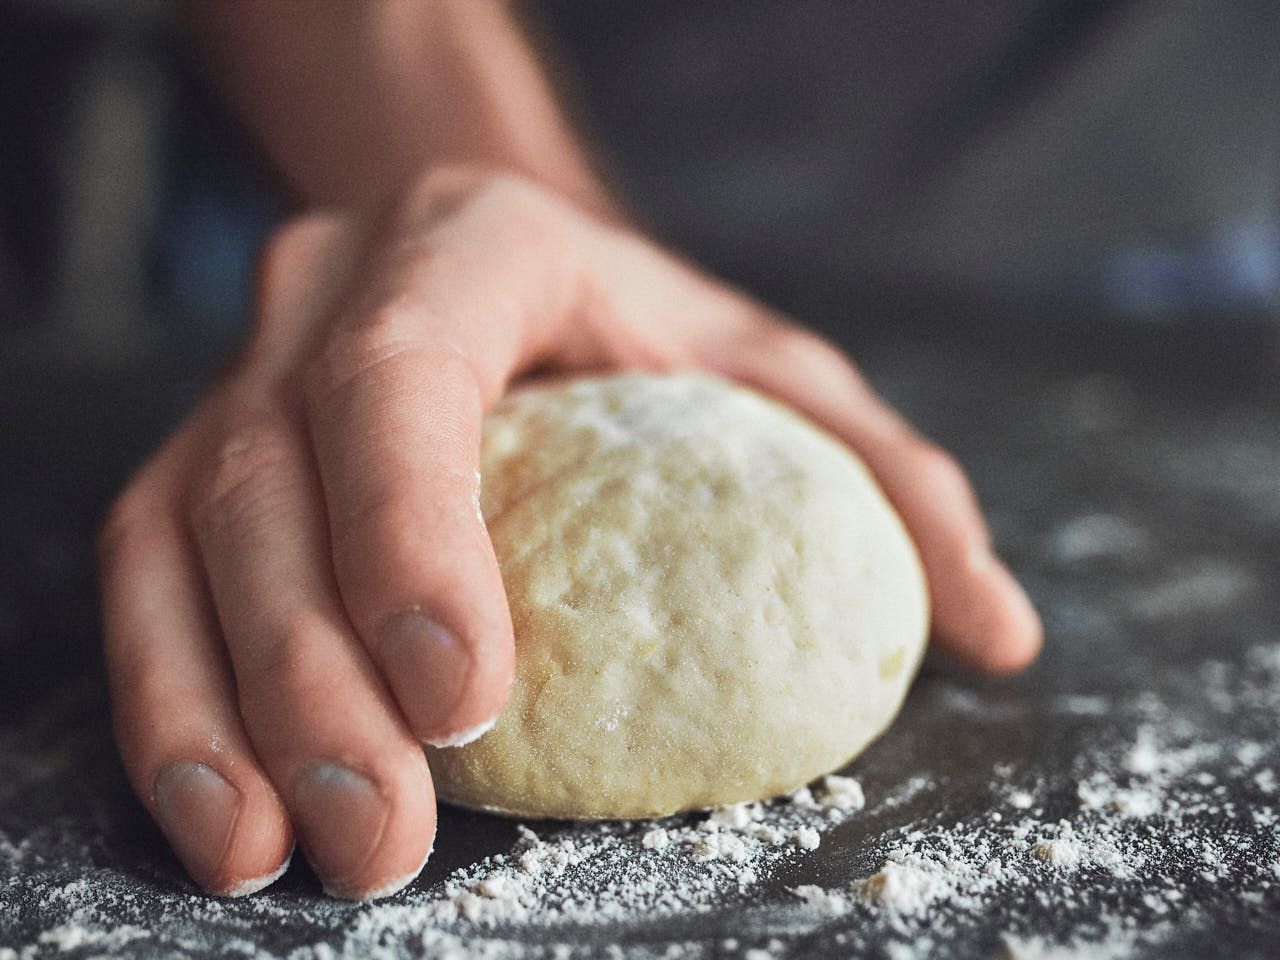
[713,602]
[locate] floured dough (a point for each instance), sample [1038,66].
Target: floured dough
[713,602]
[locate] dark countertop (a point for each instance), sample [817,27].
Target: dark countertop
[1134,486]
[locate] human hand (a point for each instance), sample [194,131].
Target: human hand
[298,589]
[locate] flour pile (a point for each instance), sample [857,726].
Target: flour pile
[1171,823]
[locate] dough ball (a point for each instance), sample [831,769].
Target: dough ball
[713,602]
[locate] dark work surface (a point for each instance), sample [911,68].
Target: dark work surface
[1133,484]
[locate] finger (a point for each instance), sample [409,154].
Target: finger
[176,722]
[301,273]
[355,782]
[980,613]
[395,402]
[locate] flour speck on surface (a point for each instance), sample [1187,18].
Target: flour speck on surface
[1121,854]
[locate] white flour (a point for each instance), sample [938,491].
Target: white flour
[1130,851]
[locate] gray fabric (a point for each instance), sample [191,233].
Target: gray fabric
[1007,143]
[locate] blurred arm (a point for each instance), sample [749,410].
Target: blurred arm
[353,99]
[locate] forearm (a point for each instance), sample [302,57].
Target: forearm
[352,100]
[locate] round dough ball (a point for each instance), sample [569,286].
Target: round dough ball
[713,602]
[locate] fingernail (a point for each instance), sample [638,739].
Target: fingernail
[197,809]
[340,815]
[427,667]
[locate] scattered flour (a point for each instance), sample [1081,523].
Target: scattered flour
[824,900]
[1106,864]
[907,883]
[1095,536]
[806,838]
[1021,800]
[1210,583]
[1064,852]
[842,793]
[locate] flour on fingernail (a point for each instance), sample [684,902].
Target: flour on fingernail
[395,886]
[463,737]
[246,887]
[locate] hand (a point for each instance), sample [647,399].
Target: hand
[297,589]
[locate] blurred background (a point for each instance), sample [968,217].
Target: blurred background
[1089,179]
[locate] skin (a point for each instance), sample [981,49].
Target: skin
[296,592]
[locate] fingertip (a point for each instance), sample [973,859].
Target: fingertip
[253,883]
[262,847]
[451,690]
[1009,654]
[402,847]
[998,631]
[231,839]
[1016,632]
[390,887]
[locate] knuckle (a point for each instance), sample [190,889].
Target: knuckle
[127,517]
[813,350]
[283,664]
[352,356]
[518,212]
[368,523]
[284,259]
[238,475]
[388,523]
[505,191]
[150,498]
[444,184]
[462,191]
[290,241]
[138,512]
[360,358]
[391,543]
[277,257]
[939,467]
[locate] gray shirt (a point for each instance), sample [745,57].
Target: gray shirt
[1126,150]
